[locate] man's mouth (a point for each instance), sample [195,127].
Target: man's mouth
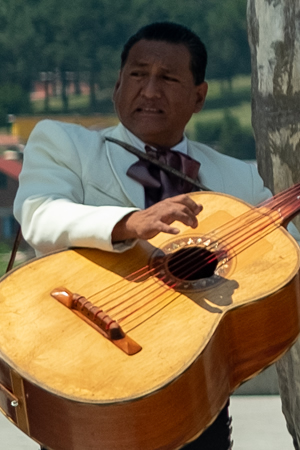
[148,110]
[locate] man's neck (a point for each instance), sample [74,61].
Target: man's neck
[138,143]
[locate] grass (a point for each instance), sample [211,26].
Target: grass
[219,93]
[242,112]
[77,103]
[236,99]
[5,251]
[241,83]
[24,254]
[221,96]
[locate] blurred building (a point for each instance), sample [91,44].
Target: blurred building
[10,168]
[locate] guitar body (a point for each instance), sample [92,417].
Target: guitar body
[76,390]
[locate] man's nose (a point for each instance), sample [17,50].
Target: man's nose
[151,88]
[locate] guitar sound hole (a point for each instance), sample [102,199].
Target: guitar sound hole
[192,263]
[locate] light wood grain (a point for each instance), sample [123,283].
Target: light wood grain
[197,346]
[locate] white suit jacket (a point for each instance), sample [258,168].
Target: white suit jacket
[74,188]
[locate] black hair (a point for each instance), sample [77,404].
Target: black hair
[172,33]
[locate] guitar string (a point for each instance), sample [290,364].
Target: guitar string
[132,324]
[117,284]
[151,300]
[184,276]
[140,298]
[274,217]
[225,252]
[125,278]
[221,250]
[241,228]
[136,297]
[144,304]
[140,272]
[248,244]
[180,259]
[277,200]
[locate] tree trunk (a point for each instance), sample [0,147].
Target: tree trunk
[46,99]
[77,82]
[92,82]
[64,93]
[274,38]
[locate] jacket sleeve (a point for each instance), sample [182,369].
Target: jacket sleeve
[49,203]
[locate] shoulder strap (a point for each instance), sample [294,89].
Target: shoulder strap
[14,249]
[161,165]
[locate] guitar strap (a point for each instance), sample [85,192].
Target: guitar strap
[160,164]
[16,244]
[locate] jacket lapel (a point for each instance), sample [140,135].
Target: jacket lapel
[120,160]
[210,174]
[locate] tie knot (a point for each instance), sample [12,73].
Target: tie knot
[157,152]
[159,183]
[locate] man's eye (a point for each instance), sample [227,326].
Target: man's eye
[136,74]
[169,78]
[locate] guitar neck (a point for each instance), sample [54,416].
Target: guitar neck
[245,230]
[285,205]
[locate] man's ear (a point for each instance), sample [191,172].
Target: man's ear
[201,92]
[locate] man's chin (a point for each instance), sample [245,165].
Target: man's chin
[146,130]
[150,136]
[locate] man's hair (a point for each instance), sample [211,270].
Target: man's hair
[172,33]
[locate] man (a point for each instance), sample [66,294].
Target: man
[79,189]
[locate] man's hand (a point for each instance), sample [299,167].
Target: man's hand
[149,222]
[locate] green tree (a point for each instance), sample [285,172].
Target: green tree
[17,42]
[86,36]
[227,136]
[13,100]
[227,39]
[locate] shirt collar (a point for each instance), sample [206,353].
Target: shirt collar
[140,145]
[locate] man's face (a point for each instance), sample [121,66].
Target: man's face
[155,95]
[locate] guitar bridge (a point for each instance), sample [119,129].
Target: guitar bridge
[97,318]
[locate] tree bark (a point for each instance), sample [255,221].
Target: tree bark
[46,100]
[64,93]
[274,38]
[92,82]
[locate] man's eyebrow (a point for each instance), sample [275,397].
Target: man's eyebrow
[146,64]
[138,64]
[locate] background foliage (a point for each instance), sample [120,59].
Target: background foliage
[81,40]
[87,35]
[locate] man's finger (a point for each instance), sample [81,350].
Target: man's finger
[186,200]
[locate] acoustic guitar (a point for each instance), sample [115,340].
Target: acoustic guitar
[141,350]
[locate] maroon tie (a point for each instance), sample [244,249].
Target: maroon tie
[159,184]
